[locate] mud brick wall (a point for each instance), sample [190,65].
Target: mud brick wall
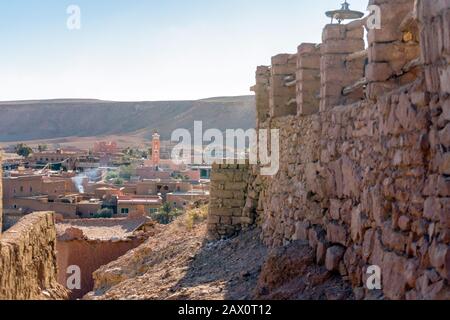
[28,268]
[89,255]
[228,196]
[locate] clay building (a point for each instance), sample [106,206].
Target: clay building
[107,147]
[181,200]
[92,243]
[130,204]
[150,172]
[162,186]
[61,158]
[35,185]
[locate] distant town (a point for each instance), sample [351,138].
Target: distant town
[103,182]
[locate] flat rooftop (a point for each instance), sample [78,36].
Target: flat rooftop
[103,229]
[139,201]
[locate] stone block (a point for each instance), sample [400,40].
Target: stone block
[377,72]
[334,32]
[336,234]
[333,257]
[394,276]
[404,223]
[357,225]
[342,46]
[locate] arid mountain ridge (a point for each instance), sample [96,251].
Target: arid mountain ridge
[50,119]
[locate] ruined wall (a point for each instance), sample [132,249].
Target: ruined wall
[261,90]
[228,194]
[68,210]
[367,183]
[28,267]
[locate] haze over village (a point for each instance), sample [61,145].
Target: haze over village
[105,200]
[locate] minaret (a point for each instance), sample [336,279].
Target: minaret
[156,149]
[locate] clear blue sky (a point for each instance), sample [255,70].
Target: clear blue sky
[148,49]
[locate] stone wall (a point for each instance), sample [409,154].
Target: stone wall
[367,182]
[261,90]
[228,194]
[308,78]
[393,47]
[373,193]
[282,93]
[337,71]
[28,267]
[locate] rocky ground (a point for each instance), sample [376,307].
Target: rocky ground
[179,263]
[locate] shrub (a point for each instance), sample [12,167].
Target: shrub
[23,150]
[196,215]
[104,213]
[166,214]
[118,182]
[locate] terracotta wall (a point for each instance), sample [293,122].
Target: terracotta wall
[89,255]
[28,268]
[68,210]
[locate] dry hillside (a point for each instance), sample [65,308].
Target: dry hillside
[179,264]
[49,119]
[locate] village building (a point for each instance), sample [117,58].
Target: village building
[91,243]
[58,158]
[108,147]
[181,200]
[128,204]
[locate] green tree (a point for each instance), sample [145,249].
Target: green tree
[125,172]
[23,150]
[104,213]
[166,214]
[42,147]
[111,175]
[118,182]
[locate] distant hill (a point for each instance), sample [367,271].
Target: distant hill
[50,119]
